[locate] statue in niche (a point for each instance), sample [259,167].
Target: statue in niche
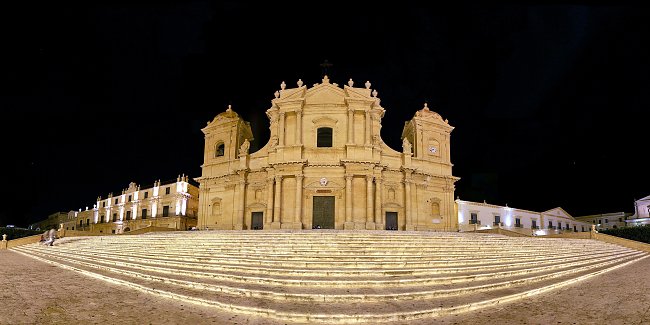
[375,140]
[243,150]
[406,145]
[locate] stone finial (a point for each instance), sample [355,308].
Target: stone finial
[326,80]
[299,82]
[4,237]
[350,82]
[229,108]
[283,85]
[86,208]
[447,121]
[374,93]
[368,84]
[276,94]
[426,106]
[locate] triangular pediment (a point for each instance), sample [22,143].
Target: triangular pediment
[559,212]
[325,94]
[647,198]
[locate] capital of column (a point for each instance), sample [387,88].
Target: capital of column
[369,178]
[299,176]
[348,177]
[281,114]
[278,178]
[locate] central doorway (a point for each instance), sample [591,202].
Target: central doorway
[323,215]
[391,220]
[257,221]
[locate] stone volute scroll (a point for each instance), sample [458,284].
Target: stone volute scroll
[243,149]
[406,145]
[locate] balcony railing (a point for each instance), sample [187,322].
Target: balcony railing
[534,227]
[474,222]
[518,225]
[497,224]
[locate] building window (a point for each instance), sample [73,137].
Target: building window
[72,228]
[620,219]
[594,221]
[87,222]
[113,231]
[518,222]
[606,221]
[114,217]
[166,211]
[473,219]
[129,198]
[103,204]
[533,224]
[559,225]
[115,201]
[167,190]
[583,228]
[219,150]
[144,213]
[81,223]
[497,220]
[324,137]
[550,224]
[146,195]
[128,215]
[101,219]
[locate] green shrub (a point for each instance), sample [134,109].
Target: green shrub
[640,233]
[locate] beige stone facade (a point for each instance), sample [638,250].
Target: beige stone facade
[327,166]
[169,205]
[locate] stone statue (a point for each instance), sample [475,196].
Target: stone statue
[406,145]
[243,150]
[273,142]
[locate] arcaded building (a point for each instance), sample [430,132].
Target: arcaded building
[326,166]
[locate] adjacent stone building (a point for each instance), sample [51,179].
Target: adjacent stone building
[477,216]
[326,166]
[171,204]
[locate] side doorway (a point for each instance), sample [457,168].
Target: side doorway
[257,220]
[391,220]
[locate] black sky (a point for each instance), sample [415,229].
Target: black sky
[550,103]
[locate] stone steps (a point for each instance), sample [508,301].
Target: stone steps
[317,277]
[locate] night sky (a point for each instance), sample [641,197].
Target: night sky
[550,103]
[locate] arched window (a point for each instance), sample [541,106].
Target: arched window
[435,209]
[219,150]
[324,137]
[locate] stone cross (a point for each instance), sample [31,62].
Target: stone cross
[325,66]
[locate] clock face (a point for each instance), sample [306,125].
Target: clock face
[433,149]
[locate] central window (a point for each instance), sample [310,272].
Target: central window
[324,137]
[219,150]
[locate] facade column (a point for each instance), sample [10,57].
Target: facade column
[350,126]
[367,142]
[407,204]
[268,216]
[298,128]
[298,213]
[348,203]
[370,224]
[242,202]
[278,198]
[378,193]
[281,135]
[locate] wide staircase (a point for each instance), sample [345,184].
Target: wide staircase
[336,276]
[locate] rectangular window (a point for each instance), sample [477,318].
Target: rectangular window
[533,224]
[101,219]
[518,222]
[497,220]
[103,204]
[81,223]
[146,195]
[87,222]
[600,221]
[550,224]
[575,229]
[620,219]
[473,218]
[72,228]
[144,214]
[128,215]
[559,225]
[606,221]
[115,201]
[113,231]
[167,190]
[129,198]
[114,217]
[324,137]
[166,211]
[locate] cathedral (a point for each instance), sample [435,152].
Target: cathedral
[326,166]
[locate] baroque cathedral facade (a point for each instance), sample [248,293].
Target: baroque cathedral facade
[326,166]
